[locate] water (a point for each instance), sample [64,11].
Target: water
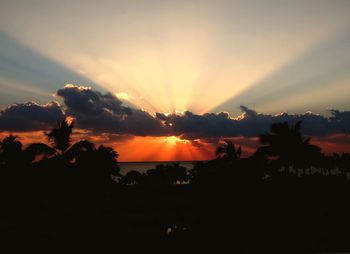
[142,167]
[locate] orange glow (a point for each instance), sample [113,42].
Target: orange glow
[26,137]
[161,149]
[173,140]
[172,148]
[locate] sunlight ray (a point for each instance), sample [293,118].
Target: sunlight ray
[315,67]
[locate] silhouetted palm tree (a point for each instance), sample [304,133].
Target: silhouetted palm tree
[74,186]
[61,136]
[61,141]
[228,150]
[287,143]
[10,150]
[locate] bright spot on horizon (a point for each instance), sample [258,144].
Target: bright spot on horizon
[173,140]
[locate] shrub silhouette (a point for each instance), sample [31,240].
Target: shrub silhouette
[228,151]
[71,198]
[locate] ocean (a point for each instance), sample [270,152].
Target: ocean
[142,167]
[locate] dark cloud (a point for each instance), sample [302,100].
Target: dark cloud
[116,138]
[105,114]
[30,116]
[106,138]
[340,121]
[251,123]
[192,126]
[80,99]
[99,112]
[143,124]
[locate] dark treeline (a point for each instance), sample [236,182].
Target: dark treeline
[287,197]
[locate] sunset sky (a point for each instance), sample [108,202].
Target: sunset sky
[166,80]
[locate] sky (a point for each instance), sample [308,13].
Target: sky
[165,80]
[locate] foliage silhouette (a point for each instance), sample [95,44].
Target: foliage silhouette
[71,198]
[61,135]
[228,151]
[11,150]
[288,146]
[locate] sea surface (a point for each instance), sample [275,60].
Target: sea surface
[142,167]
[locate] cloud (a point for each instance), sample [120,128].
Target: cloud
[106,138]
[81,99]
[251,123]
[30,116]
[193,126]
[105,114]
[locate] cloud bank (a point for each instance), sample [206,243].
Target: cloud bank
[99,112]
[105,113]
[250,123]
[30,116]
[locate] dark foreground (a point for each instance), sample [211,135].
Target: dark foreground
[65,213]
[75,201]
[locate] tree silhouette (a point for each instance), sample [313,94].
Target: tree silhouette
[177,173]
[107,159]
[61,136]
[81,150]
[132,178]
[10,150]
[36,149]
[228,151]
[67,189]
[168,174]
[287,143]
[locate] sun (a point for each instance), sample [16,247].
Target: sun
[173,140]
